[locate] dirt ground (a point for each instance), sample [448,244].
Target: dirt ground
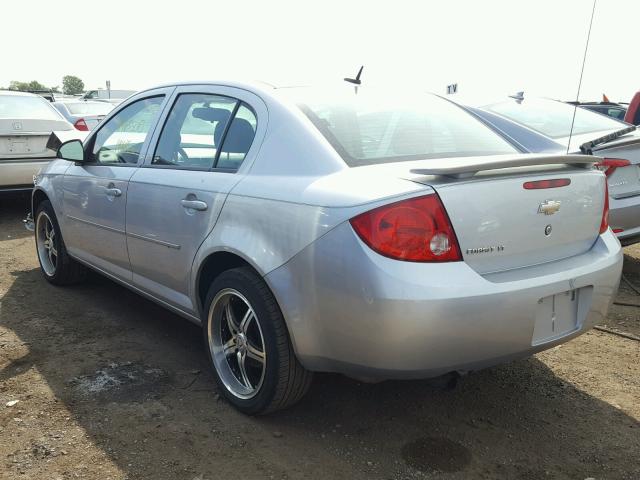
[111,386]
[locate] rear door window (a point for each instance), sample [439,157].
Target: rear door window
[238,139]
[193,131]
[205,131]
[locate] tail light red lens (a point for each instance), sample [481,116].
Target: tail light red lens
[81,125]
[414,230]
[609,165]
[604,224]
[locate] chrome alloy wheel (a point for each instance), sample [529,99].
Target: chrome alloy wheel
[236,343]
[45,241]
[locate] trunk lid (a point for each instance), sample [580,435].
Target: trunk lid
[27,138]
[500,225]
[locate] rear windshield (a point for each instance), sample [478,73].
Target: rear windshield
[552,118]
[84,108]
[18,106]
[369,126]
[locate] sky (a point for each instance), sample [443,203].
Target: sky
[487,47]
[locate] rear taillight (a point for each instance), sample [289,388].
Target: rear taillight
[609,165]
[604,224]
[81,125]
[415,230]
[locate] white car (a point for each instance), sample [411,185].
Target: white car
[26,122]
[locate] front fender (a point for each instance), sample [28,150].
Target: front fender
[49,182]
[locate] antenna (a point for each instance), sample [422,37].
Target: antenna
[584,59]
[518,97]
[355,81]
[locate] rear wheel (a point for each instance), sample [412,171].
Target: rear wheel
[56,265]
[249,346]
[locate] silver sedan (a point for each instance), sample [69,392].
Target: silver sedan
[84,116]
[378,234]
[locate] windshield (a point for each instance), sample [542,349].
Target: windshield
[371,126]
[88,108]
[18,106]
[552,118]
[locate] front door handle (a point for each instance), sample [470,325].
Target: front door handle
[194,204]
[113,192]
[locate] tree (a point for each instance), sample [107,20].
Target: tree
[25,86]
[72,85]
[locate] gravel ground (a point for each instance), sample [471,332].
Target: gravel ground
[111,386]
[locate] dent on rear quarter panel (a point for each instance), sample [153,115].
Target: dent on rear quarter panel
[265,232]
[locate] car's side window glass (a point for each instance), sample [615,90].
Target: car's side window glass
[193,131]
[120,140]
[238,139]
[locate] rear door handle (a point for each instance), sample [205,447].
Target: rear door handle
[194,204]
[113,192]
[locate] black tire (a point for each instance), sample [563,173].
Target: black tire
[66,270]
[285,380]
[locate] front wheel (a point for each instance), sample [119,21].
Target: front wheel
[56,265]
[249,346]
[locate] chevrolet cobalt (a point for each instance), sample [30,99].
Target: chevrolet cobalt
[379,234]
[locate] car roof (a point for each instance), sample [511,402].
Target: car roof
[66,101]
[18,93]
[246,85]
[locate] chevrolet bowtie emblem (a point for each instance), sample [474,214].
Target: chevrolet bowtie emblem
[549,207]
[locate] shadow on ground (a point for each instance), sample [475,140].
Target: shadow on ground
[13,208]
[135,377]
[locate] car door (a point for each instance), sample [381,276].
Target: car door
[175,198]
[95,191]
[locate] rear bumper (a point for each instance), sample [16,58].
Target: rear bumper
[352,311]
[625,213]
[18,174]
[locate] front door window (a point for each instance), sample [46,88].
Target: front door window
[120,140]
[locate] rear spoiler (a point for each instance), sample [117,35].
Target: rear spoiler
[58,137]
[588,147]
[468,167]
[619,142]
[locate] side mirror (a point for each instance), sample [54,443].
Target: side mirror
[71,150]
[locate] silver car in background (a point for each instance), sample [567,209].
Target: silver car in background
[26,121]
[113,97]
[376,233]
[543,125]
[84,116]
